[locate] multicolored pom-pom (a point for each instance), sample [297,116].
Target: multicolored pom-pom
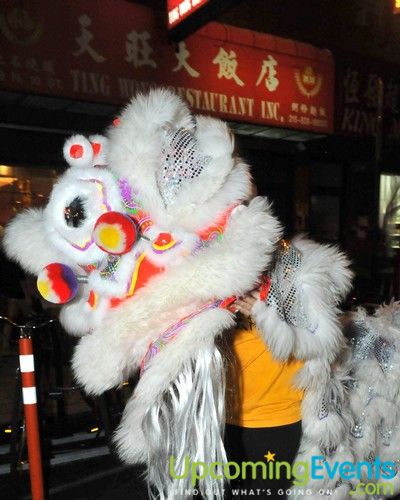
[115,233]
[57,283]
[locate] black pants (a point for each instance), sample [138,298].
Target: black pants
[251,445]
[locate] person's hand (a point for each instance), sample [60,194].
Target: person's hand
[245,304]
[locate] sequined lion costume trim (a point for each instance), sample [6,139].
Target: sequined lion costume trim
[373,362]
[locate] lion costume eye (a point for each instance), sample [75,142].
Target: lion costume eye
[74,213]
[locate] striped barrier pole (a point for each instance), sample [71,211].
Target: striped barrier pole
[27,367]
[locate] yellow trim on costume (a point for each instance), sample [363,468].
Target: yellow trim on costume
[164,247]
[95,300]
[100,188]
[83,244]
[135,273]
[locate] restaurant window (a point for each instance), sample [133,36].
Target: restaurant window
[389,209]
[22,187]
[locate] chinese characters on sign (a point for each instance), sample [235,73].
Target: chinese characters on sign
[182,55]
[41,72]
[227,64]
[84,39]
[268,74]
[138,49]
[230,79]
[359,103]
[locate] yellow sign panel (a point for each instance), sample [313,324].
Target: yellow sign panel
[396,7]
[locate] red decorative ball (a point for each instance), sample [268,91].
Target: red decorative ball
[115,233]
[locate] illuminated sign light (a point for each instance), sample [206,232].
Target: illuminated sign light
[185,17]
[181,9]
[396,7]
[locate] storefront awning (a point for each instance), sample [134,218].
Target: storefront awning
[106,51]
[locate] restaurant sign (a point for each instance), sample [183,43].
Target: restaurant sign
[106,51]
[358,100]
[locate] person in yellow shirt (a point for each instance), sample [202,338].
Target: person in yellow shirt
[293,328]
[263,410]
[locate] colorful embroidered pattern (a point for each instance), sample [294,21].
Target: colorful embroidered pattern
[171,332]
[216,230]
[129,197]
[109,271]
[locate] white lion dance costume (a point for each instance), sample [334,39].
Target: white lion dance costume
[373,362]
[146,239]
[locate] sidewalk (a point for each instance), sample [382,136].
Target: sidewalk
[100,478]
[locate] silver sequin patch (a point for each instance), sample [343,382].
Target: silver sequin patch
[383,351]
[386,435]
[283,295]
[368,344]
[181,162]
[323,412]
[363,341]
[357,430]
[370,395]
